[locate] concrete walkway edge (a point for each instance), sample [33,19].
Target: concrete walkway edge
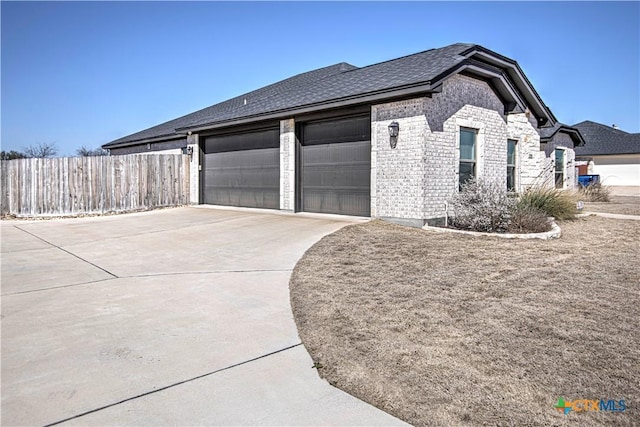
[609,215]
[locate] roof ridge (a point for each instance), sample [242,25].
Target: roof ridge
[297,76]
[602,125]
[412,54]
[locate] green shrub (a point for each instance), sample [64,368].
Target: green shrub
[556,203]
[528,219]
[595,192]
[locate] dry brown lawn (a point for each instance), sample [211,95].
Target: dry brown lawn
[627,205]
[448,329]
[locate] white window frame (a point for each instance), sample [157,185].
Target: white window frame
[516,180]
[479,128]
[564,168]
[474,161]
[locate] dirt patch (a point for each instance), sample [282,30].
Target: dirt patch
[626,205]
[447,329]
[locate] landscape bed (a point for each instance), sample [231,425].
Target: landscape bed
[448,329]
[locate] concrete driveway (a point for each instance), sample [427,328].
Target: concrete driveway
[172,317]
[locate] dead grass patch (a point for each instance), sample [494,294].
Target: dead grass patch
[626,205]
[447,329]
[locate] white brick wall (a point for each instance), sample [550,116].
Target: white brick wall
[533,167]
[415,180]
[397,175]
[470,103]
[571,176]
[287,164]
[194,169]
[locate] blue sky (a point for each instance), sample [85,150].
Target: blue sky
[86,73]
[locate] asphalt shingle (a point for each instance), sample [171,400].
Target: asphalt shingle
[602,140]
[420,67]
[235,104]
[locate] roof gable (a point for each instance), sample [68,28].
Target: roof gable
[547,134]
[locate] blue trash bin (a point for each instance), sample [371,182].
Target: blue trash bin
[585,180]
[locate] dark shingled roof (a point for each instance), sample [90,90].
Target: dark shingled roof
[233,105]
[340,82]
[602,140]
[354,81]
[546,134]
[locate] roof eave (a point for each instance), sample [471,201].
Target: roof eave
[576,136]
[155,139]
[501,84]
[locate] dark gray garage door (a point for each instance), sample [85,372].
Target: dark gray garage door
[243,169]
[336,166]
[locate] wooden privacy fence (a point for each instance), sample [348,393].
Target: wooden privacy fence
[73,185]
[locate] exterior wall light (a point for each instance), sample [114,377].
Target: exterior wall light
[394,130]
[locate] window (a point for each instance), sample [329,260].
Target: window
[511,164]
[467,155]
[559,168]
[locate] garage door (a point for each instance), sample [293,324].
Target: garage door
[336,166]
[243,169]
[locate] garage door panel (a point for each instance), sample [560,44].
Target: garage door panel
[336,178]
[255,168]
[355,176]
[334,131]
[247,198]
[247,178]
[338,202]
[269,138]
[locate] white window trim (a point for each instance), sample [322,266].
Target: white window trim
[479,127]
[564,166]
[516,174]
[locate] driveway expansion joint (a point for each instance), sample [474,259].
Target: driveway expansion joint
[178,273]
[64,250]
[53,288]
[156,390]
[139,276]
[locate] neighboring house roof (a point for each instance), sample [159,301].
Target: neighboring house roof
[603,140]
[547,134]
[344,84]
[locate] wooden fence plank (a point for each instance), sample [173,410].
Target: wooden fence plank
[72,185]
[4,186]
